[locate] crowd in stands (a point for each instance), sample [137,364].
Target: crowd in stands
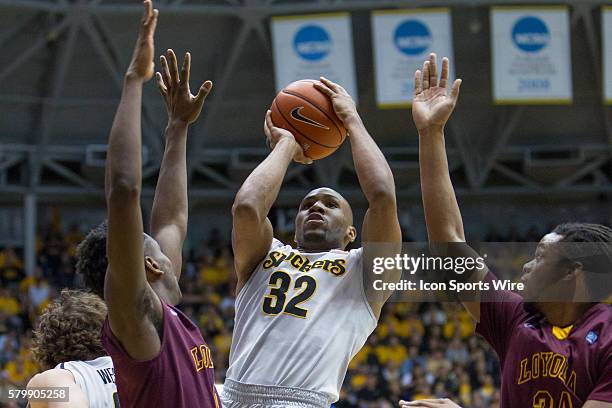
[418,350]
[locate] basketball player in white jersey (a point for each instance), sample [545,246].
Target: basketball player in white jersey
[302,314]
[67,345]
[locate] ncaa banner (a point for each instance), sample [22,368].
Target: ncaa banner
[531,55]
[402,40]
[311,46]
[606,27]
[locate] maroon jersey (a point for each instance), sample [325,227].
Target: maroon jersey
[543,366]
[181,375]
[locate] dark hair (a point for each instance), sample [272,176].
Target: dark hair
[595,258]
[69,329]
[91,259]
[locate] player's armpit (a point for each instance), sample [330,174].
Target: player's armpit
[58,378]
[138,326]
[597,404]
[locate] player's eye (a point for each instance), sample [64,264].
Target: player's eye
[332,204]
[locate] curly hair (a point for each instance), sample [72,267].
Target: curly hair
[69,329]
[91,259]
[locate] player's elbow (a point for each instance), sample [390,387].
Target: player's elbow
[446,235]
[245,208]
[383,197]
[123,189]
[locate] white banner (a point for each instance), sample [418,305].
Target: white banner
[402,40]
[606,27]
[531,55]
[311,46]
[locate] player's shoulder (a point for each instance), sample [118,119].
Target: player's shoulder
[55,377]
[598,323]
[600,313]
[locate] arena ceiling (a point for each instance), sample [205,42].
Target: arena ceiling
[61,65]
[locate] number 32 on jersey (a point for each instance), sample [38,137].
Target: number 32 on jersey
[285,296]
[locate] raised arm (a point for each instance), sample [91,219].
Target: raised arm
[375,178]
[252,231]
[126,286]
[380,224]
[169,214]
[431,109]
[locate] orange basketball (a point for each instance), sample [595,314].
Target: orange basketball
[309,115]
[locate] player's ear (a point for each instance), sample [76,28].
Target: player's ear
[152,267]
[574,271]
[351,233]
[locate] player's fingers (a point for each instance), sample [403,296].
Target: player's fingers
[332,85]
[173,65]
[418,85]
[185,70]
[160,84]
[268,123]
[152,23]
[203,92]
[323,88]
[148,11]
[433,70]
[165,72]
[444,74]
[455,89]
[267,133]
[425,81]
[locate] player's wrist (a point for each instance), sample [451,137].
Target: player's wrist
[175,123]
[133,77]
[352,121]
[289,145]
[428,131]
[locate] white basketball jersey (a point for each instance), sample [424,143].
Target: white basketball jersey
[97,380]
[300,319]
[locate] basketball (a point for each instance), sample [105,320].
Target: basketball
[309,115]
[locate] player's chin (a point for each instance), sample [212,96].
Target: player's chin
[314,234]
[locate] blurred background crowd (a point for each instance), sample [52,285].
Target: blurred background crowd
[418,350]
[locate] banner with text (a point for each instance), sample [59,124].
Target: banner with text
[311,46]
[402,40]
[606,26]
[531,55]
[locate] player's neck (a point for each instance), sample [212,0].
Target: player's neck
[563,314]
[323,248]
[166,294]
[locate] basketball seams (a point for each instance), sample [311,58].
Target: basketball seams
[301,134]
[297,95]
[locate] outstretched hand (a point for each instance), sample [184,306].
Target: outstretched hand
[181,105]
[430,403]
[431,105]
[275,135]
[142,67]
[343,104]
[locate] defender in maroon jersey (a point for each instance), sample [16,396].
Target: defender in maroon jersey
[160,357]
[553,354]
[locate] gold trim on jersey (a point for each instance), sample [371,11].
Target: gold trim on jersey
[562,333]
